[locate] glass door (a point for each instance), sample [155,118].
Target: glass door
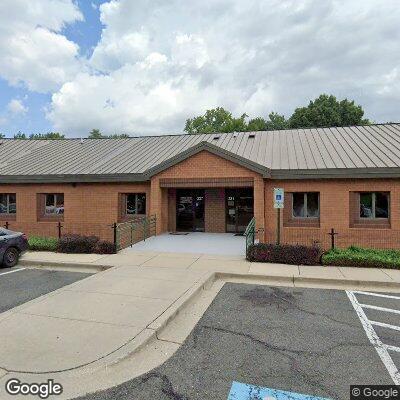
[190,210]
[239,209]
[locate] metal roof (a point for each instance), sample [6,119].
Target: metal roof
[345,152]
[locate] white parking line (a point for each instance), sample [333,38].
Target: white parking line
[381,349]
[392,348]
[386,296]
[371,307]
[10,272]
[383,325]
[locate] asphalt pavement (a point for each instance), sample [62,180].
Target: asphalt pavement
[308,341]
[19,285]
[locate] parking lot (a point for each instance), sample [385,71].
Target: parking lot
[19,285]
[315,342]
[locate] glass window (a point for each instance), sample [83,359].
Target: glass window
[8,203]
[54,204]
[135,203]
[305,205]
[374,205]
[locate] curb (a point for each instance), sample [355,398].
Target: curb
[334,282]
[67,264]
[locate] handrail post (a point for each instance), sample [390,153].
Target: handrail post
[115,236]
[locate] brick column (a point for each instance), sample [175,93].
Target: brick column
[259,200]
[156,203]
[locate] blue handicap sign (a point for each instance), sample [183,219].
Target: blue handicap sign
[242,391]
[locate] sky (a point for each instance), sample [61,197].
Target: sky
[143,67]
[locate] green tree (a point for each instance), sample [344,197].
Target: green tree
[2,135]
[216,120]
[119,136]
[48,135]
[328,111]
[95,134]
[276,122]
[20,135]
[257,124]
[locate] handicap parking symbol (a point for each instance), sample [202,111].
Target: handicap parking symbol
[243,391]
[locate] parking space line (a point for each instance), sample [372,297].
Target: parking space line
[386,296]
[381,349]
[10,272]
[371,307]
[383,325]
[392,348]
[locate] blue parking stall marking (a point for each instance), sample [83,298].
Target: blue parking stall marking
[243,391]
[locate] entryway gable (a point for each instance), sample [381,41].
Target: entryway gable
[206,165]
[200,155]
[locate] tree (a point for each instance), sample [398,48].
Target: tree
[257,124]
[216,120]
[118,136]
[20,135]
[276,122]
[2,135]
[328,111]
[48,135]
[95,134]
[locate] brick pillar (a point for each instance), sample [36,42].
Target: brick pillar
[156,203]
[259,206]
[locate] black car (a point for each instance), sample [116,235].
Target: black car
[12,245]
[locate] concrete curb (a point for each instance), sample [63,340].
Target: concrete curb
[293,280]
[66,265]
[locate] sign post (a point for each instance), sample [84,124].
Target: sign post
[279,197]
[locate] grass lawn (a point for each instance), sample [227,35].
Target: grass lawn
[358,257]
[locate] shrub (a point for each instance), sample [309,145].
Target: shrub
[104,247]
[77,244]
[284,254]
[37,243]
[359,257]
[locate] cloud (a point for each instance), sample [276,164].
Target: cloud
[157,65]
[17,107]
[34,52]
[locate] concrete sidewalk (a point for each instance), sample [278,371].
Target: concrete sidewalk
[190,262]
[85,329]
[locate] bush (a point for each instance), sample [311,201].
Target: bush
[284,254]
[358,257]
[37,243]
[77,244]
[104,247]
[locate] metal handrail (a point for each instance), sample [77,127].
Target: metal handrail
[250,233]
[138,230]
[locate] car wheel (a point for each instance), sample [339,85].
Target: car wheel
[10,257]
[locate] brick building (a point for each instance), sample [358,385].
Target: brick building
[341,178]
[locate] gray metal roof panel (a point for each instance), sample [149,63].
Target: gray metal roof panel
[319,149]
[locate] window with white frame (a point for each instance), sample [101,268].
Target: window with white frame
[374,205]
[305,205]
[135,204]
[54,204]
[8,203]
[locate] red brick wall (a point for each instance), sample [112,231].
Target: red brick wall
[335,211]
[214,213]
[89,209]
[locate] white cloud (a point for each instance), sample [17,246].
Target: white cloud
[160,63]
[17,107]
[33,51]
